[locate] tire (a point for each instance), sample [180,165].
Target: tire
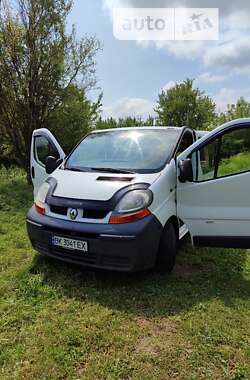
[167,250]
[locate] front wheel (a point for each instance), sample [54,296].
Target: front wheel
[167,250]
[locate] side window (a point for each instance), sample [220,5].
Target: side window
[229,154]
[186,141]
[235,153]
[206,159]
[43,148]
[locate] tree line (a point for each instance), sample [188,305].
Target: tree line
[46,73]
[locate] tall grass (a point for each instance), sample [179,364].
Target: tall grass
[235,164]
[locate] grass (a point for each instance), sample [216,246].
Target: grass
[59,321]
[235,164]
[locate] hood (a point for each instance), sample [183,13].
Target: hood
[96,185]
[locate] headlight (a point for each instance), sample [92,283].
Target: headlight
[134,200]
[42,192]
[41,197]
[133,206]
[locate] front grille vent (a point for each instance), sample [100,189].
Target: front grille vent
[95,214]
[88,214]
[58,210]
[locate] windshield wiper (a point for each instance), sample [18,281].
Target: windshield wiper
[75,169]
[108,170]
[113,170]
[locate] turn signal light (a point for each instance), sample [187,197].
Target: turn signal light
[39,209]
[127,218]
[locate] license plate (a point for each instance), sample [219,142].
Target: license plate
[78,245]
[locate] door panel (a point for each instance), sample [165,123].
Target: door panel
[216,205]
[43,144]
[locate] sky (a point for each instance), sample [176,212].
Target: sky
[132,73]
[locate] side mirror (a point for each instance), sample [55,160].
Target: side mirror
[51,163]
[186,170]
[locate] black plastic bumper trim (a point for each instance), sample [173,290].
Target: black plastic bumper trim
[222,241]
[128,247]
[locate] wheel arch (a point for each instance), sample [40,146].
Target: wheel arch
[174,220]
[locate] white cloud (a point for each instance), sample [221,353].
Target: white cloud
[110,4]
[232,51]
[183,49]
[209,77]
[222,59]
[135,107]
[169,85]
[233,54]
[139,107]
[238,20]
[226,7]
[229,96]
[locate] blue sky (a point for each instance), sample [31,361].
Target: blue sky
[131,74]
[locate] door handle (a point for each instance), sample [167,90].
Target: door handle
[33,172]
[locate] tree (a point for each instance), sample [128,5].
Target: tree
[108,123]
[74,118]
[39,62]
[234,142]
[185,105]
[126,122]
[235,111]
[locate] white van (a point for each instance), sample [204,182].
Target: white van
[123,197]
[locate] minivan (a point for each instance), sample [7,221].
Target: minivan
[124,197]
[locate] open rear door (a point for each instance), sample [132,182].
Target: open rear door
[43,144]
[213,195]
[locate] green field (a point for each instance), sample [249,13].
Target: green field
[61,322]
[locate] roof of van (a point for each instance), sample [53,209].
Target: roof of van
[138,127]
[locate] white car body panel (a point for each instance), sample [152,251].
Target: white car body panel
[38,173]
[218,207]
[164,206]
[208,208]
[84,185]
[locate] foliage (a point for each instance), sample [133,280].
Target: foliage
[39,61]
[123,122]
[75,117]
[234,142]
[235,111]
[61,322]
[185,105]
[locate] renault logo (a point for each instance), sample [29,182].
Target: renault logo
[73,213]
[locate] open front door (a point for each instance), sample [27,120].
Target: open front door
[43,144]
[213,198]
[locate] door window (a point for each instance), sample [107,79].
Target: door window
[227,155]
[44,148]
[186,141]
[206,159]
[235,153]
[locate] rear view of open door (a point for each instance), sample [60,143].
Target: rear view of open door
[213,187]
[43,144]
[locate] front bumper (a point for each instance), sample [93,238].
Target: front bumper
[128,247]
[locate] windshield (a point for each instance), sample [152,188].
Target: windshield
[125,150]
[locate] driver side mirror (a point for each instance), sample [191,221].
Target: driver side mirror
[51,163]
[186,170]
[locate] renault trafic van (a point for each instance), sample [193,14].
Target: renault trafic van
[123,198]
